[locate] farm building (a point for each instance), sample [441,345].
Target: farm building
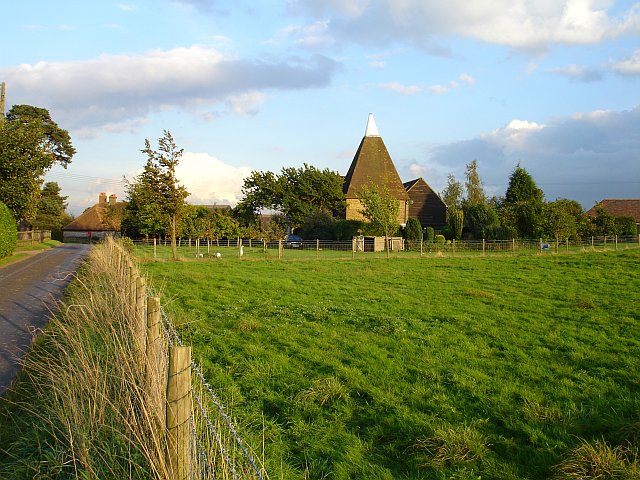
[372,162]
[425,204]
[619,208]
[101,220]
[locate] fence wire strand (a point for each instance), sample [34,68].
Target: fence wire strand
[205,464]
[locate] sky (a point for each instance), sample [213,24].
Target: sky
[551,85]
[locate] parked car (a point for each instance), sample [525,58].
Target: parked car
[293,241]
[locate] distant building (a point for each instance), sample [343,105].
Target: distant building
[425,204]
[96,222]
[372,162]
[619,208]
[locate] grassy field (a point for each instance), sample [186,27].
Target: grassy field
[513,367]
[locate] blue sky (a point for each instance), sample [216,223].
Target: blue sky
[259,85]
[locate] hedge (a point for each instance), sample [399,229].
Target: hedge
[8,231]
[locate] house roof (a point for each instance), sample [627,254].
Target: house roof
[619,208]
[373,162]
[412,183]
[94,219]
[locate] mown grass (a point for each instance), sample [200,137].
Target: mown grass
[21,248]
[492,368]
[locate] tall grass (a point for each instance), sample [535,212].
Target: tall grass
[80,408]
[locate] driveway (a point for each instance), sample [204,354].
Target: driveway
[29,290]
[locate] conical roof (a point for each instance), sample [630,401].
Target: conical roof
[373,162]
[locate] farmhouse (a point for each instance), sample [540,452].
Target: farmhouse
[619,208]
[372,162]
[101,220]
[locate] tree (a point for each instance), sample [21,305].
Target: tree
[155,199]
[525,201]
[473,185]
[604,223]
[380,208]
[296,193]
[413,231]
[51,214]
[456,219]
[318,225]
[452,194]
[30,144]
[481,221]
[561,218]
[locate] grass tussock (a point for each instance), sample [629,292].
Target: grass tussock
[598,461]
[82,407]
[452,446]
[323,391]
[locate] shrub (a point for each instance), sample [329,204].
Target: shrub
[431,235]
[626,226]
[8,231]
[413,230]
[347,229]
[440,239]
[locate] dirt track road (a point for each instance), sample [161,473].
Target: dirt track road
[29,290]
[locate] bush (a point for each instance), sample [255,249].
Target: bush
[440,239]
[626,226]
[318,225]
[431,235]
[347,229]
[413,230]
[8,231]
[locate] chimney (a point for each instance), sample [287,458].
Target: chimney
[112,199]
[102,199]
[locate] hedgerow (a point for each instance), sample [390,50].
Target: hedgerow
[8,231]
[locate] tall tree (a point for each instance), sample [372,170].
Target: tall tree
[473,185]
[295,192]
[525,201]
[481,221]
[380,208]
[452,194]
[156,199]
[30,144]
[51,213]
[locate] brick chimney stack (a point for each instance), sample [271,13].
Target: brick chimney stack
[112,199]
[102,199]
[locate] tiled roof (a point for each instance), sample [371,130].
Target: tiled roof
[373,162]
[619,208]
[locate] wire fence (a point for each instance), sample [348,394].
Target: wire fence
[217,450]
[249,249]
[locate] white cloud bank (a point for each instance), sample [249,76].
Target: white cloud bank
[527,25]
[586,157]
[209,180]
[117,92]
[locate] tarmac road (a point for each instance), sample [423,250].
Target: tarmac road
[29,290]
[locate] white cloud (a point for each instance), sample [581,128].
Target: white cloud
[522,25]
[125,7]
[576,72]
[468,79]
[311,35]
[246,103]
[629,66]
[403,89]
[210,180]
[119,90]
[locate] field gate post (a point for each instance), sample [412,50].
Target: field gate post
[179,413]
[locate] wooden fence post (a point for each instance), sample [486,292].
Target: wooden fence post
[141,312]
[317,247]
[179,413]
[353,248]
[483,247]
[280,249]
[155,361]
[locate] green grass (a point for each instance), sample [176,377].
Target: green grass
[19,255]
[492,368]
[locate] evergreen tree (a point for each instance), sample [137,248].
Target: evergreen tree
[524,201]
[51,214]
